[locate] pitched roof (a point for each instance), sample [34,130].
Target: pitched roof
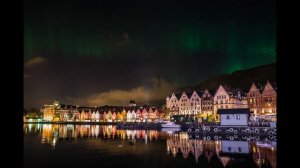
[236,92]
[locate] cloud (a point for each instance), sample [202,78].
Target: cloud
[35,61]
[157,91]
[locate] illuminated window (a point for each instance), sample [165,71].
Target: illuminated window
[238,117]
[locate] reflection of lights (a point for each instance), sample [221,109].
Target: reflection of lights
[29,127]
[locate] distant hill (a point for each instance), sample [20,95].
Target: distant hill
[238,79]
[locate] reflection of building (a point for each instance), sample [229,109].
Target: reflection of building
[51,134]
[225,152]
[234,117]
[181,143]
[235,147]
[264,153]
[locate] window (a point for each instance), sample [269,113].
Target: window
[228,117]
[240,149]
[238,117]
[229,149]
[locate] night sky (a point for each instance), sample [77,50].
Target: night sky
[92,52]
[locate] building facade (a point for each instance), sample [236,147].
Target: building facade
[269,99]
[262,102]
[207,102]
[172,104]
[184,105]
[234,117]
[195,101]
[229,99]
[254,99]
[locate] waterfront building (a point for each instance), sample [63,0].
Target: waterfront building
[207,100]
[195,100]
[49,111]
[269,98]
[262,102]
[228,99]
[234,117]
[184,104]
[172,104]
[254,99]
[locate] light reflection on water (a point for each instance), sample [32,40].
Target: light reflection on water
[176,144]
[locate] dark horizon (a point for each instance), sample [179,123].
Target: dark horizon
[100,52]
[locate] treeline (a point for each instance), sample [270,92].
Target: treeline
[32,113]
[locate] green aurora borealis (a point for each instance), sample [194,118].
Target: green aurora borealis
[110,41]
[245,37]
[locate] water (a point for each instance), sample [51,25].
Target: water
[54,145]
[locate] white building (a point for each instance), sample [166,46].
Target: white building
[195,101]
[172,103]
[234,117]
[184,104]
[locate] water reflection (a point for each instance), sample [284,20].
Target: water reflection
[261,153]
[52,133]
[179,146]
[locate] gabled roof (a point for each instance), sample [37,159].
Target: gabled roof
[225,88]
[269,87]
[183,93]
[234,111]
[236,92]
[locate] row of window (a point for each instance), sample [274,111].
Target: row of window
[237,117]
[221,102]
[207,102]
[207,108]
[239,149]
[221,97]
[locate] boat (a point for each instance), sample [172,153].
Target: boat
[170,125]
